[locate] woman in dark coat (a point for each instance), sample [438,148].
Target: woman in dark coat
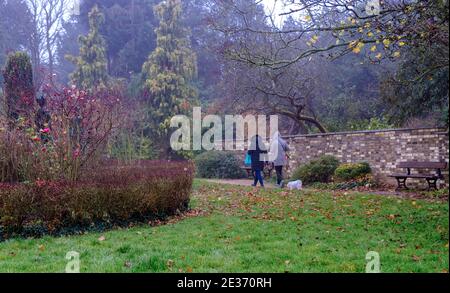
[257,152]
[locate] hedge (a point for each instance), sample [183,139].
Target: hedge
[106,197]
[220,165]
[320,170]
[352,171]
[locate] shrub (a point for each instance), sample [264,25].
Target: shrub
[320,170]
[130,141]
[81,126]
[352,171]
[17,154]
[19,89]
[221,165]
[113,195]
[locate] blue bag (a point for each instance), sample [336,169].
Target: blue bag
[248,160]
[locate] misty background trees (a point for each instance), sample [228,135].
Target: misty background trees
[320,65]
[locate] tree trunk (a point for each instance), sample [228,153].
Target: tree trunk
[314,122]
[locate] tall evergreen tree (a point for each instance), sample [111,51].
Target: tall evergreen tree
[170,70]
[91,70]
[19,89]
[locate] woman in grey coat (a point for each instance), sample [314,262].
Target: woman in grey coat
[278,155]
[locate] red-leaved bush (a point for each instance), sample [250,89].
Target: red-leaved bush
[74,138]
[112,194]
[81,125]
[54,178]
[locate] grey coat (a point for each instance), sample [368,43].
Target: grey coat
[278,150]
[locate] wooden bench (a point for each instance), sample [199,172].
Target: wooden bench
[268,169]
[431,178]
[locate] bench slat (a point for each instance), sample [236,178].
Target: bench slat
[423,165]
[414,176]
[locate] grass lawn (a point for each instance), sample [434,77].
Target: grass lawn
[243,230]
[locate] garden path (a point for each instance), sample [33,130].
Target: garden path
[239,182]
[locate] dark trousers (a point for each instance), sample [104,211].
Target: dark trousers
[279,170]
[258,177]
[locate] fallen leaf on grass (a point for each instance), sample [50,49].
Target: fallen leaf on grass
[102,238]
[128,264]
[416,258]
[170,264]
[41,248]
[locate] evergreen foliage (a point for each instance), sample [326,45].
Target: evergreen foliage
[91,65]
[19,89]
[170,70]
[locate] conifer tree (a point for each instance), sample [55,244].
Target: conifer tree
[170,70]
[19,88]
[91,65]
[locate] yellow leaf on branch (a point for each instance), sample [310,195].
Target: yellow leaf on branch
[356,50]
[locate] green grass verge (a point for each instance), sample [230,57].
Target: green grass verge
[243,230]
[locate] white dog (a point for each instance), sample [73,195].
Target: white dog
[295,185]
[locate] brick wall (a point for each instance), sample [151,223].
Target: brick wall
[382,149]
